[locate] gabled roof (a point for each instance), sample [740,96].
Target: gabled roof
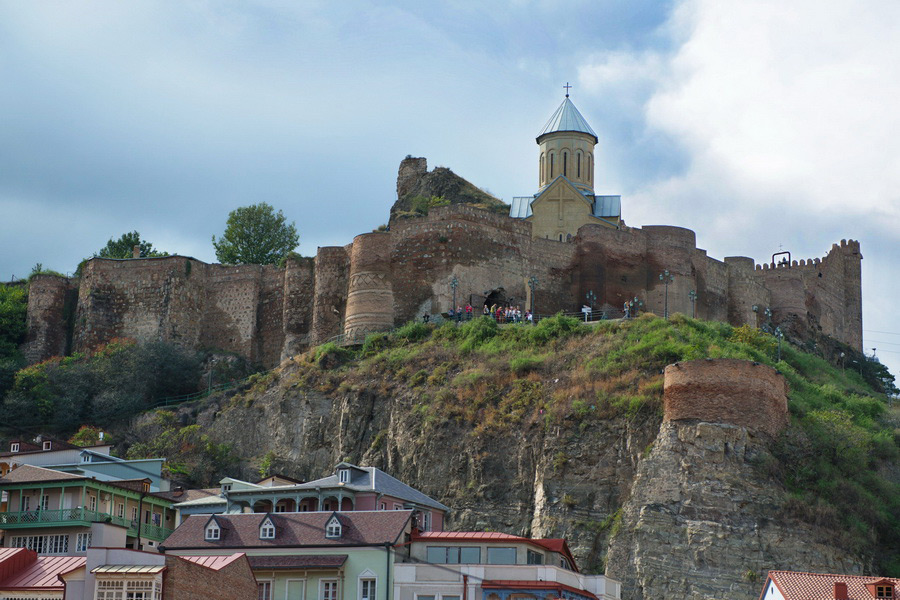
[567,118]
[42,574]
[795,585]
[293,530]
[32,474]
[495,537]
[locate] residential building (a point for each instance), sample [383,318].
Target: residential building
[450,565]
[124,574]
[52,512]
[348,488]
[25,576]
[794,585]
[91,461]
[305,555]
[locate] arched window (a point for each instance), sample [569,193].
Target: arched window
[551,165]
[566,164]
[542,167]
[560,237]
[578,165]
[590,159]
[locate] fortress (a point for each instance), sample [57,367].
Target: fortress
[564,240]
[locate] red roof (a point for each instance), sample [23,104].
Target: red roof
[512,584]
[795,585]
[43,574]
[552,544]
[213,562]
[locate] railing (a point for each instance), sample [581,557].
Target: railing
[155,532]
[69,516]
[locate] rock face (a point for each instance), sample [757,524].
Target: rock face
[677,508]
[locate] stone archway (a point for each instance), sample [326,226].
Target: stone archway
[497,296]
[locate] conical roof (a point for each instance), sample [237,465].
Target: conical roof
[567,118]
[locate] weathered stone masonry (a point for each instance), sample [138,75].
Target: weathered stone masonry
[384,279]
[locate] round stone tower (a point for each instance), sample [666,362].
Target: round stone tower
[567,148]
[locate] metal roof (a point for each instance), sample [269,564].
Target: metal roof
[43,573]
[567,118]
[607,206]
[520,208]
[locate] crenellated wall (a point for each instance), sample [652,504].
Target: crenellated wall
[384,279]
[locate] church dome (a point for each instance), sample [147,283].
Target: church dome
[567,118]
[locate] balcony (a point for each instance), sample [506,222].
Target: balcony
[77,516]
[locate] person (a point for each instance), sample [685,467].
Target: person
[450,313]
[486,311]
[468,311]
[627,311]
[459,313]
[426,317]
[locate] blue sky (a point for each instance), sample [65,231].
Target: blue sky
[758,125]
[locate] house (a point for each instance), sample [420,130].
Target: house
[348,488]
[91,461]
[449,565]
[325,555]
[119,573]
[52,512]
[25,575]
[794,585]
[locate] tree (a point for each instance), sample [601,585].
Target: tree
[255,235]
[124,247]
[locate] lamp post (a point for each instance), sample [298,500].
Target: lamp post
[666,277]
[532,283]
[454,283]
[693,296]
[591,298]
[635,307]
[779,334]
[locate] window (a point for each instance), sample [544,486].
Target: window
[884,591]
[121,510]
[213,531]
[344,475]
[82,542]
[551,166]
[578,165]
[367,589]
[535,558]
[566,164]
[501,556]
[264,590]
[109,590]
[45,503]
[466,555]
[47,445]
[422,597]
[14,447]
[267,530]
[142,589]
[590,158]
[26,503]
[42,544]
[333,528]
[328,590]
[398,506]
[226,487]
[446,597]
[382,506]
[134,514]
[425,521]
[281,507]
[92,503]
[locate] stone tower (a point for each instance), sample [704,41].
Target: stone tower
[567,148]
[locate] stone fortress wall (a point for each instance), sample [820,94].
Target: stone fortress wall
[384,279]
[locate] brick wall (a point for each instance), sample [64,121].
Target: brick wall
[735,392]
[48,298]
[330,295]
[185,580]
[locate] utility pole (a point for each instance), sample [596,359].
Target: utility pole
[666,277]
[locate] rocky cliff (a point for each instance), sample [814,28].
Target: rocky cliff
[549,433]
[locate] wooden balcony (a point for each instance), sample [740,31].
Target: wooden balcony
[68,517]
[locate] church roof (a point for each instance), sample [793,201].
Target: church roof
[567,118]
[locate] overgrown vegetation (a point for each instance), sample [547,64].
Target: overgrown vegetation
[109,386]
[835,460]
[13,308]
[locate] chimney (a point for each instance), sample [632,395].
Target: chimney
[136,251]
[840,591]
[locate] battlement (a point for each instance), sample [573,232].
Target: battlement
[846,247]
[730,391]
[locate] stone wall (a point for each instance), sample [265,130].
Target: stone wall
[730,391]
[50,298]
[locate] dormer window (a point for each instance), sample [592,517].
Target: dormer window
[344,475]
[267,530]
[333,528]
[213,531]
[884,591]
[47,445]
[14,447]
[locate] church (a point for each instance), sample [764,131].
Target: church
[565,199]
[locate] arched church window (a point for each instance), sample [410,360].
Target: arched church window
[560,237]
[551,165]
[590,159]
[578,165]
[566,164]
[542,167]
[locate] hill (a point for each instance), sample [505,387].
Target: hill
[556,430]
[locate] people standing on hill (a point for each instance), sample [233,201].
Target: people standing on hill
[468,311]
[486,311]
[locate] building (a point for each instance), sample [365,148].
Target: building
[312,555]
[123,574]
[25,576]
[91,461]
[348,488]
[52,512]
[450,565]
[565,199]
[794,585]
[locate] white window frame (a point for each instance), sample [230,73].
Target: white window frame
[44,502]
[26,503]
[267,530]
[383,506]
[212,532]
[271,591]
[337,589]
[367,576]
[134,514]
[92,503]
[47,445]
[83,541]
[14,447]
[120,512]
[333,528]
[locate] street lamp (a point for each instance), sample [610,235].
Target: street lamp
[779,334]
[454,283]
[693,296]
[666,277]
[532,283]
[591,298]
[635,307]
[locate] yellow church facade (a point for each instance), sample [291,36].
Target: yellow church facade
[565,199]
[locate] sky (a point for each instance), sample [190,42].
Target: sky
[763,126]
